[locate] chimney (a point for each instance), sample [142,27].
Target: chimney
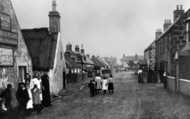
[77,49]
[178,12]
[158,33]
[167,24]
[82,49]
[54,19]
[88,56]
[69,47]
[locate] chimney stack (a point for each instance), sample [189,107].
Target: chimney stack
[178,12]
[82,49]
[69,47]
[77,49]
[167,24]
[158,33]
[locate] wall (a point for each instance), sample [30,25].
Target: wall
[10,74]
[171,81]
[56,74]
[184,86]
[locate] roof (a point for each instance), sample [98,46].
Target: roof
[178,19]
[97,62]
[42,47]
[89,61]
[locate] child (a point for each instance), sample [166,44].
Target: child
[36,99]
[110,85]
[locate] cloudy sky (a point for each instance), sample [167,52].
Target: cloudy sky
[105,27]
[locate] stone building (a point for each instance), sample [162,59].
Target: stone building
[15,60]
[150,52]
[171,41]
[46,49]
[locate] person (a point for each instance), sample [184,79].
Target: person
[36,99]
[91,86]
[27,78]
[7,98]
[37,81]
[98,83]
[140,77]
[22,98]
[165,79]
[29,105]
[110,85]
[45,91]
[104,85]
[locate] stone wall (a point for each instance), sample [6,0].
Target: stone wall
[171,81]
[184,86]
[10,74]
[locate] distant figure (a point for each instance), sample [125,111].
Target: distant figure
[104,85]
[98,84]
[45,91]
[7,97]
[165,79]
[92,87]
[140,76]
[110,85]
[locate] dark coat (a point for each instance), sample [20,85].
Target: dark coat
[22,97]
[45,90]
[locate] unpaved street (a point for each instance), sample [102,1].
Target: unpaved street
[130,101]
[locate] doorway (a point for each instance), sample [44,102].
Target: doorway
[22,73]
[64,80]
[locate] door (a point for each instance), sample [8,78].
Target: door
[22,73]
[64,80]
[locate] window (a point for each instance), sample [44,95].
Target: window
[5,22]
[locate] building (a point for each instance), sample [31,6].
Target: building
[171,41]
[45,46]
[150,52]
[131,61]
[73,63]
[15,60]
[112,61]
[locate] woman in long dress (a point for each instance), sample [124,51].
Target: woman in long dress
[104,85]
[29,105]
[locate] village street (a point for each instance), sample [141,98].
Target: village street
[130,101]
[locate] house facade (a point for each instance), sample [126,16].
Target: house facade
[170,42]
[15,60]
[46,49]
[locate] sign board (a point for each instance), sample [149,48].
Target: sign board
[6,57]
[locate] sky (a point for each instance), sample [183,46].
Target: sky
[105,27]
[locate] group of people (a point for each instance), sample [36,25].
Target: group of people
[32,95]
[101,85]
[152,77]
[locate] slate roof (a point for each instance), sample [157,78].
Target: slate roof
[42,47]
[97,62]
